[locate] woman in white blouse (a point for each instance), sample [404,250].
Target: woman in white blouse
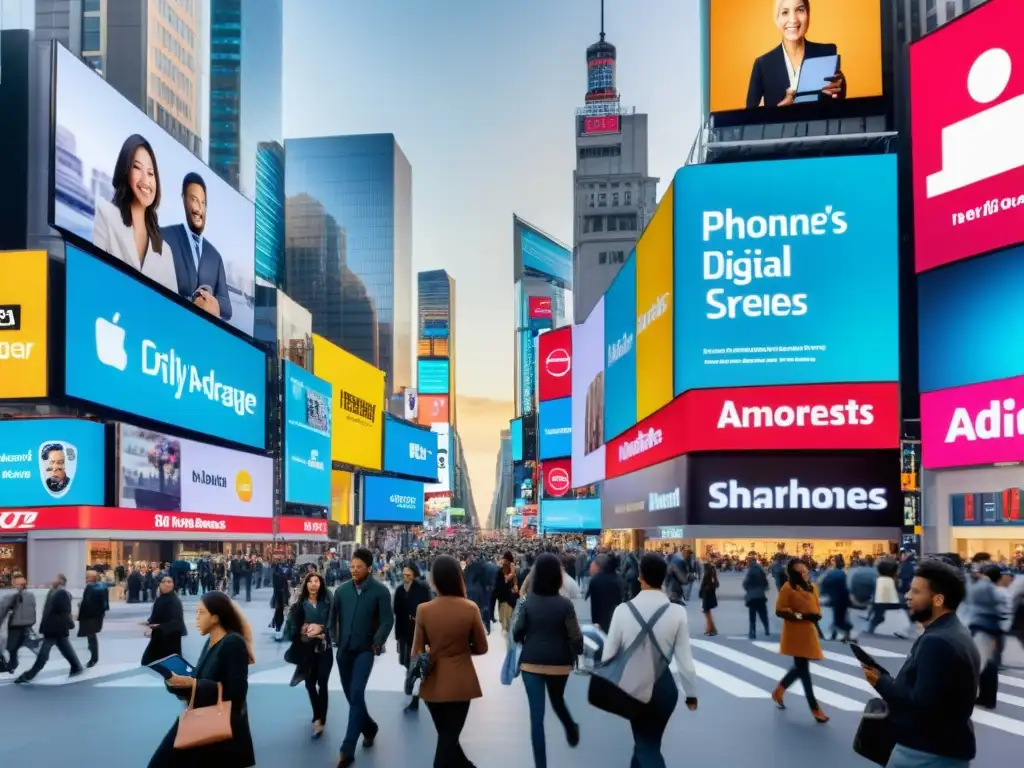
[127,226]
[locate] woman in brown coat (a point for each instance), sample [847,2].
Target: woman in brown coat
[452,631]
[800,611]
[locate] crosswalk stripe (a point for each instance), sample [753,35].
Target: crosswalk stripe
[1016,682]
[728,683]
[1016,701]
[144,680]
[882,653]
[839,658]
[89,674]
[992,720]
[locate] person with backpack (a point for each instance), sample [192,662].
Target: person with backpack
[653,685]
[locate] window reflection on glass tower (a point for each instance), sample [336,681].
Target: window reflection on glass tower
[270,212]
[363,185]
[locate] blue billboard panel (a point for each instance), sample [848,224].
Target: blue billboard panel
[130,348]
[786,289]
[392,500]
[620,352]
[51,462]
[307,437]
[432,377]
[435,329]
[555,430]
[969,323]
[410,450]
[570,515]
[516,428]
[542,256]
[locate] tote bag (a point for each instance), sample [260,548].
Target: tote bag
[876,738]
[199,727]
[510,665]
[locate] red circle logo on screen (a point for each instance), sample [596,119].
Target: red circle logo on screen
[558,363]
[558,481]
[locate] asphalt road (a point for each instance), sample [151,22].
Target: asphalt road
[116,714]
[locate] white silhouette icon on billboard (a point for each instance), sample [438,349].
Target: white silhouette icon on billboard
[986,144]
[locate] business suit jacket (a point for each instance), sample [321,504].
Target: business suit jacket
[111,235]
[769,78]
[454,632]
[211,267]
[56,621]
[93,607]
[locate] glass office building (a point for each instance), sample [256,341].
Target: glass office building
[270,212]
[436,325]
[362,186]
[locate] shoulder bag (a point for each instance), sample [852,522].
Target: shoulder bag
[202,726]
[875,738]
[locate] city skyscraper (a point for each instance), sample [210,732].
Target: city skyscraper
[270,213]
[362,185]
[436,333]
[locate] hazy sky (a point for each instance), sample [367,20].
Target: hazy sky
[480,95]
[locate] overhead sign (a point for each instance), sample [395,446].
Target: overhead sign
[656,439]
[966,97]
[433,409]
[539,307]
[49,462]
[650,498]
[444,468]
[432,376]
[555,429]
[557,478]
[392,500]
[773,290]
[410,450]
[554,364]
[543,257]
[588,448]
[620,371]
[170,474]
[841,489]
[24,335]
[516,434]
[570,515]
[357,417]
[307,437]
[132,349]
[654,308]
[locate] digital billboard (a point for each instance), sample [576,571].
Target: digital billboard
[392,500]
[51,462]
[588,398]
[307,437]
[539,307]
[651,498]
[516,431]
[620,369]
[342,497]
[658,438]
[357,416]
[410,450]
[432,377]
[968,327]
[654,310]
[134,350]
[986,508]
[444,468]
[433,409]
[554,364]
[966,100]
[528,352]
[570,515]
[556,478]
[774,290]
[542,256]
[198,234]
[169,474]
[555,429]
[753,45]
[411,405]
[840,489]
[24,328]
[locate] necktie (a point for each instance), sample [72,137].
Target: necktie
[199,247]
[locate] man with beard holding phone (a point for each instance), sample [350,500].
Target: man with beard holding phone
[931,699]
[197,263]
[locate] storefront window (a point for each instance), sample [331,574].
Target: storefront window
[13,559]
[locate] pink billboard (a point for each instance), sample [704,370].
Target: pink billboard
[976,424]
[967,113]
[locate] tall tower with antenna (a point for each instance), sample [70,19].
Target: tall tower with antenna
[602,97]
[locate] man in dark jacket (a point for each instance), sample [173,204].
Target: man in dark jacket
[55,627]
[477,588]
[605,591]
[95,604]
[931,699]
[361,620]
[755,595]
[18,610]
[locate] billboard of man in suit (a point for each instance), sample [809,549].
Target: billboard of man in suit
[198,264]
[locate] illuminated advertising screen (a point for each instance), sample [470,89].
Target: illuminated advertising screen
[539,306]
[170,474]
[556,478]
[51,462]
[516,430]
[435,328]
[132,349]
[654,311]
[588,398]
[544,257]
[410,450]
[411,404]
[570,515]
[307,437]
[773,290]
[444,467]
[554,364]
[966,92]
[357,418]
[989,508]
[968,325]
[24,325]
[432,377]
[555,429]
[750,68]
[528,361]
[111,158]
[620,372]
[598,124]
[433,409]
[651,498]
[392,500]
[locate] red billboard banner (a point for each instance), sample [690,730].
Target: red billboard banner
[557,474]
[529,510]
[659,437]
[539,306]
[601,124]
[554,364]
[433,410]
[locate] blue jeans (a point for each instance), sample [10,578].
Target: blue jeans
[536,686]
[905,757]
[649,730]
[354,669]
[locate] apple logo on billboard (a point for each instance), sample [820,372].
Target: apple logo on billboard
[558,481]
[558,363]
[110,342]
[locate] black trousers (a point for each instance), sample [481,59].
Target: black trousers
[64,646]
[758,609]
[16,637]
[94,648]
[318,674]
[802,670]
[449,719]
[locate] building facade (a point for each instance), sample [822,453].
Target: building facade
[915,18]
[348,218]
[270,213]
[502,499]
[436,330]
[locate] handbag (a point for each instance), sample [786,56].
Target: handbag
[510,666]
[875,738]
[202,726]
[419,669]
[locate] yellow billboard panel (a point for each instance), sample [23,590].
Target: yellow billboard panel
[341,496]
[654,312]
[23,324]
[357,423]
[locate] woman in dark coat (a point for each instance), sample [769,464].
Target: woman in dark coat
[225,660]
[166,624]
[134,586]
[310,649]
[279,600]
[408,598]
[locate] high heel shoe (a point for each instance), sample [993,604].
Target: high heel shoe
[819,716]
[318,729]
[778,695]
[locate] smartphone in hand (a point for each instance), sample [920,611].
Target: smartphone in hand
[866,658]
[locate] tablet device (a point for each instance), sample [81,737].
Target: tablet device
[865,658]
[815,75]
[171,665]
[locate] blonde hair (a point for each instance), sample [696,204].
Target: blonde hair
[778,7]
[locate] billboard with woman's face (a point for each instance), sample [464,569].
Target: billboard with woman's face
[126,186]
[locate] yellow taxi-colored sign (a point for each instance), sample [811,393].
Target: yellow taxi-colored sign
[24,297]
[358,416]
[341,497]
[654,308]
